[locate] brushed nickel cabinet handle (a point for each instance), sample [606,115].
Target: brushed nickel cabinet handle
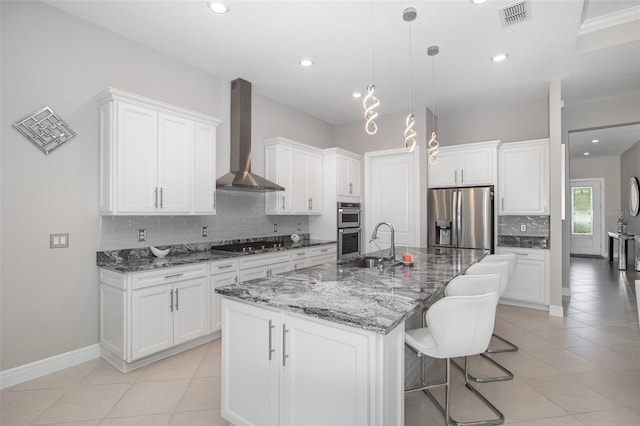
[284,345]
[177,274]
[214,199]
[171,304]
[455,176]
[225,266]
[156,197]
[283,202]
[161,198]
[462,176]
[176,299]
[271,350]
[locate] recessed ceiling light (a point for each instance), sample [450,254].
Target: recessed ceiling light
[586,153]
[478,1]
[356,95]
[500,57]
[595,140]
[306,62]
[218,7]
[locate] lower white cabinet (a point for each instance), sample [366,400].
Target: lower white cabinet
[530,281]
[322,254]
[223,272]
[284,369]
[263,265]
[144,313]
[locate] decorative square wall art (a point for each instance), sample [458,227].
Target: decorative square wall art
[45,129]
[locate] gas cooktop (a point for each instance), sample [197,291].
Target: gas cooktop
[250,246]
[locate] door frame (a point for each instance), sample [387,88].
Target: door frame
[368,157]
[603,240]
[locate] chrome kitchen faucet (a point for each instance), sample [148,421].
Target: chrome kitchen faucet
[392,249]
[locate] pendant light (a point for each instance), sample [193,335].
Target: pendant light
[409,15]
[433,144]
[370,102]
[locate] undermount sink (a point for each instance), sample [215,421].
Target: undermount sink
[370,262]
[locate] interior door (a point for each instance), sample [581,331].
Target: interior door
[586,216]
[391,196]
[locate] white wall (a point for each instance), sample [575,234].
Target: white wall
[49,297]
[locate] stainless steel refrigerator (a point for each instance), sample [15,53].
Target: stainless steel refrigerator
[461,217]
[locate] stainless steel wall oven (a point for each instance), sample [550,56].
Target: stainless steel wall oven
[349,230]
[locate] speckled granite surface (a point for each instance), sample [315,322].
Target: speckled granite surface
[141,259]
[364,298]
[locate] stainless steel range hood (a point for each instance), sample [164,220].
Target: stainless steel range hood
[240,177]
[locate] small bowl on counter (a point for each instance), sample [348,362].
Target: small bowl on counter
[160,254]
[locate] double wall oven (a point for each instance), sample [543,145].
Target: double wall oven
[349,230]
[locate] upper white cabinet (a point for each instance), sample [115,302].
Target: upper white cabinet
[155,158]
[523,187]
[298,168]
[348,174]
[465,165]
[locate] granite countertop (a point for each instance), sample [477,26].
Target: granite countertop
[135,260]
[368,299]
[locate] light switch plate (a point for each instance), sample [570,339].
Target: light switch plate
[205,231]
[523,228]
[142,235]
[58,240]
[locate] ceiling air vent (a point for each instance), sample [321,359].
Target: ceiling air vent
[514,14]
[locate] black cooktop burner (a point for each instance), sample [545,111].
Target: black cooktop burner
[250,246]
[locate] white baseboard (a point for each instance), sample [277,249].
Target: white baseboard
[566,291]
[49,365]
[556,311]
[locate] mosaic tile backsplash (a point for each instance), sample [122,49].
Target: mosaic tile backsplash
[524,231]
[239,215]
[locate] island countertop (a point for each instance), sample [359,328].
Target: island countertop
[366,298]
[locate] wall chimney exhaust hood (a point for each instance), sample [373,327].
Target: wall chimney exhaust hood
[240,177]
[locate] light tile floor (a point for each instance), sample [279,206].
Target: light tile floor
[583,369]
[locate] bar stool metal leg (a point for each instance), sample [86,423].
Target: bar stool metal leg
[512,347]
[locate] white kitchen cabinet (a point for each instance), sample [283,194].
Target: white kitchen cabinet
[465,165]
[154,158]
[298,259]
[284,369]
[145,313]
[523,187]
[297,168]
[349,169]
[263,265]
[223,272]
[205,169]
[530,281]
[319,255]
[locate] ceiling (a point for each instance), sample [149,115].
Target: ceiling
[592,46]
[611,141]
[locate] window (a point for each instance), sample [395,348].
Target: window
[582,210]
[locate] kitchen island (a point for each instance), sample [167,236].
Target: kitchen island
[325,345]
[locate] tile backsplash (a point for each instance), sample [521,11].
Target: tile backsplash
[239,215]
[535,226]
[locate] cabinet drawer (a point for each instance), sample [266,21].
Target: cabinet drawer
[168,275]
[222,266]
[252,261]
[323,250]
[298,254]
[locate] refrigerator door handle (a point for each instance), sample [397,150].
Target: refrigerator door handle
[455,231]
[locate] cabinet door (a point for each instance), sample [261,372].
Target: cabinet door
[205,169]
[301,202]
[523,179]
[137,159]
[314,182]
[529,282]
[191,313]
[175,164]
[348,176]
[477,166]
[216,309]
[445,171]
[279,169]
[251,359]
[151,321]
[325,375]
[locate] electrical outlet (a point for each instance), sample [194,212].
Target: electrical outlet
[523,228]
[58,240]
[299,226]
[275,227]
[205,231]
[142,235]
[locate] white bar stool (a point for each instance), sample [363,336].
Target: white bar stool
[457,326]
[502,269]
[512,260]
